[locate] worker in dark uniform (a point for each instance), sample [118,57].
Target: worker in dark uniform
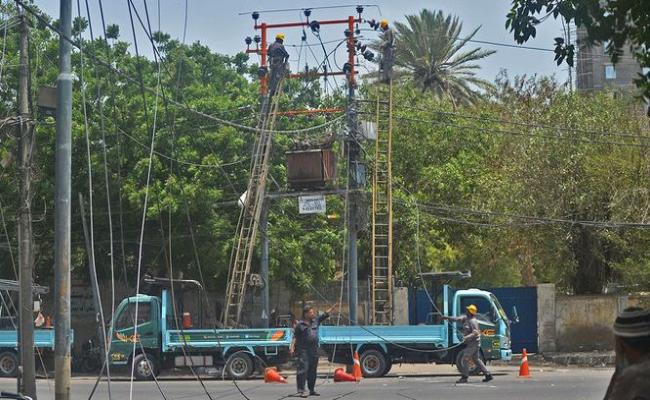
[305,346]
[278,58]
[387,51]
[472,340]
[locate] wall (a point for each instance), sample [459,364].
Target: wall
[584,323]
[546,317]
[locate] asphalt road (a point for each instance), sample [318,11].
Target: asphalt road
[421,383]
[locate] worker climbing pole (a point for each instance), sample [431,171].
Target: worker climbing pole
[382,197]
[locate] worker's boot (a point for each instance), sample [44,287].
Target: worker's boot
[488,378]
[463,379]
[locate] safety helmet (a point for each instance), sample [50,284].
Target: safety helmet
[279,36]
[383,23]
[472,309]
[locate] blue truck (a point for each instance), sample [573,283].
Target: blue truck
[437,341]
[43,338]
[164,341]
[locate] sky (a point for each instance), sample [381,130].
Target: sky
[217,24]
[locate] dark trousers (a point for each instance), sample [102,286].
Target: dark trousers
[306,369]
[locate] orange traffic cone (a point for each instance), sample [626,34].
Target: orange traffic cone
[523,368]
[341,376]
[271,375]
[356,367]
[48,322]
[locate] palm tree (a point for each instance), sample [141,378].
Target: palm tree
[430,51]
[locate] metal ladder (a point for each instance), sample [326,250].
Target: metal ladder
[382,211]
[247,227]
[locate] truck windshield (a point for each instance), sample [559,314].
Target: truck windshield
[502,313]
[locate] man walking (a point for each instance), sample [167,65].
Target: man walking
[305,344]
[472,340]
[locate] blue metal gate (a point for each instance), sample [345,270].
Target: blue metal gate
[524,333]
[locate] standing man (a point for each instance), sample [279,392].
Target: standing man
[632,338]
[278,58]
[387,52]
[472,341]
[305,343]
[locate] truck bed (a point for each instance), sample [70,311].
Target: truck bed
[224,338]
[43,338]
[435,335]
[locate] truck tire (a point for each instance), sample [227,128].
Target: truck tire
[239,365]
[389,365]
[460,361]
[145,367]
[8,364]
[373,363]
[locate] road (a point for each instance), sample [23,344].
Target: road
[419,383]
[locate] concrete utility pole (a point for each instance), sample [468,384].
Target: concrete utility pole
[356,174]
[26,258]
[62,203]
[264,264]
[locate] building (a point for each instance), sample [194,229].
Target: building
[595,71]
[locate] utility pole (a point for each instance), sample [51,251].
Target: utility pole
[356,176]
[27,372]
[264,264]
[63,165]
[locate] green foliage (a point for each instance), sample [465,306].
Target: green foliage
[430,50]
[620,23]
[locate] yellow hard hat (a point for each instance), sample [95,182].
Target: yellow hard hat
[279,36]
[472,309]
[383,23]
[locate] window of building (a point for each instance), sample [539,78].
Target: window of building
[610,72]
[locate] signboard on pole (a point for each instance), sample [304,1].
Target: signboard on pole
[311,204]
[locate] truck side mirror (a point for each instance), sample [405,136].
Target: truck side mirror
[515,316]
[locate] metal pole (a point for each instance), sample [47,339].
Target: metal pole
[264,267]
[354,176]
[27,373]
[63,165]
[97,298]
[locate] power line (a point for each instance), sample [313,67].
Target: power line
[183,106]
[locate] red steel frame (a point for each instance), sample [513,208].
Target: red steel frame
[264,27]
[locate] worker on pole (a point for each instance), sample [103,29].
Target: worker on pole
[472,340]
[278,58]
[387,51]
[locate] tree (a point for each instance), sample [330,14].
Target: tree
[430,51]
[618,22]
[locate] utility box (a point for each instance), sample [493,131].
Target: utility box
[310,169]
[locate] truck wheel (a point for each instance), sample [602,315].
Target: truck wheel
[373,363]
[239,365]
[8,364]
[145,368]
[473,368]
[389,365]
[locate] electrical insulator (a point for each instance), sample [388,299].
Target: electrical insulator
[248,40]
[347,33]
[307,12]
[315,26]
[255,16]
[368,55]
[359,10]
[347,68]
[257,39]
[261,72]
